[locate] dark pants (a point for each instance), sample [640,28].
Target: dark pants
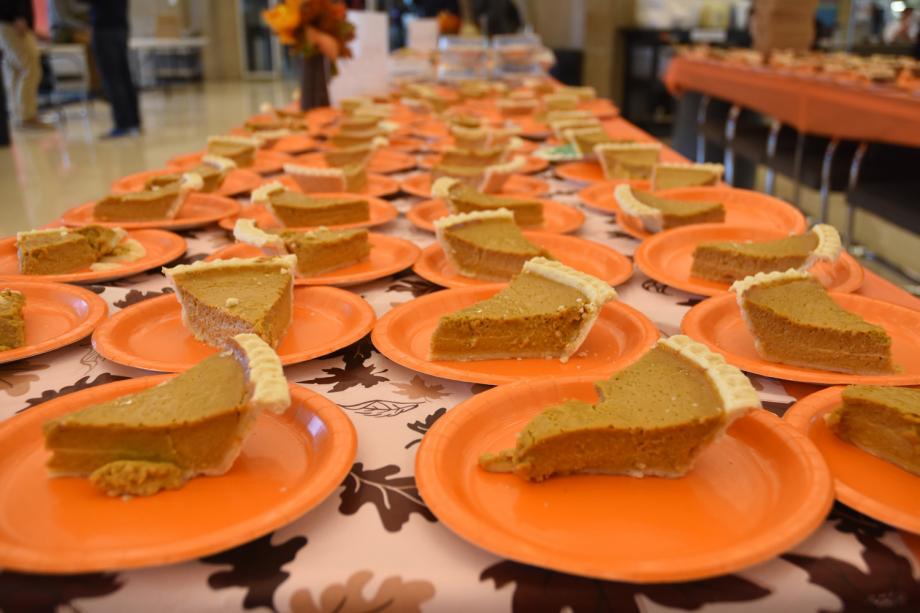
[4,116]
[110,47]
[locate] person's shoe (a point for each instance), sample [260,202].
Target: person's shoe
[120,133]
[35,124]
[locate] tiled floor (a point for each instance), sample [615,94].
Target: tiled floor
[45,173]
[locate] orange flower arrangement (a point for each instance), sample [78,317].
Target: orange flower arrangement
[311,27]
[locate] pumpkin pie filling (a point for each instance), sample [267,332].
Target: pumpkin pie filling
[318,251]
[794,321]
[293,209]
[639,426]
[728,261]
[883,421]
[546,311]
[352,178]
[12,323]
[158,438]
[627,160]
[671,175]
[486,244]
[224,298]
[67,250]
[471,157]
[461,198]
[240,149]
[657,214]
[584,140]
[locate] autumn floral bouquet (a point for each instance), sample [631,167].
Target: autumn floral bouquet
[311,27]
[316,30]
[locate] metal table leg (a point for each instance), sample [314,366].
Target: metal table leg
[731,127]
[855,166]
[700,121]
[772,142]
[826,165]
[797,169]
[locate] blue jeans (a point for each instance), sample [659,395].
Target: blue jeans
[110,47]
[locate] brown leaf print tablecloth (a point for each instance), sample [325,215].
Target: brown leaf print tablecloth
[373,545]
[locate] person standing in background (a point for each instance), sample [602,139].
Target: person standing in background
[69,21]
[22,70]
[902,31]
[109,20]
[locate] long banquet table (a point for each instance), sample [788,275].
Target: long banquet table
[811,104]
[374,546]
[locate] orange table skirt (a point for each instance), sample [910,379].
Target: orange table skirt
[818,106]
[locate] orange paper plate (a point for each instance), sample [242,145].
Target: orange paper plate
[532,164]
[162,248]
[289,464]
[151,335]
[600,195]
[558,218]
[517,185]
[197,210]
[406,144]
[668,257]
[380,212]
[388,255]
[383,161]
[717,323]
[742,208]
[620,335]
[429,129]
[601,107]
[582,172]
[753,493]
[267,161]
[523,148]
[238,181]
[862,481]
[377,186]
[581,254]
[294,143]
[591,171]
[55,315]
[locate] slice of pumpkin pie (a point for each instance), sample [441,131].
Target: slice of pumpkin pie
[795,321]
[486,179]
[293,209]
[883,421]
[318,251]
[352,178]
[461,198]
[223,298]
[192,424]
[627,160]
[485,245]
[240,149]
[55,251]
[584,140]
[546,311]
[654,418]
[657,214]
[477,158]
[728,261]
[12,323]
[212,171]
[159,202]
[670,175]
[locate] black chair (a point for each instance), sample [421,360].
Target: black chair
[4,116]
[816,162]
[884,182]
